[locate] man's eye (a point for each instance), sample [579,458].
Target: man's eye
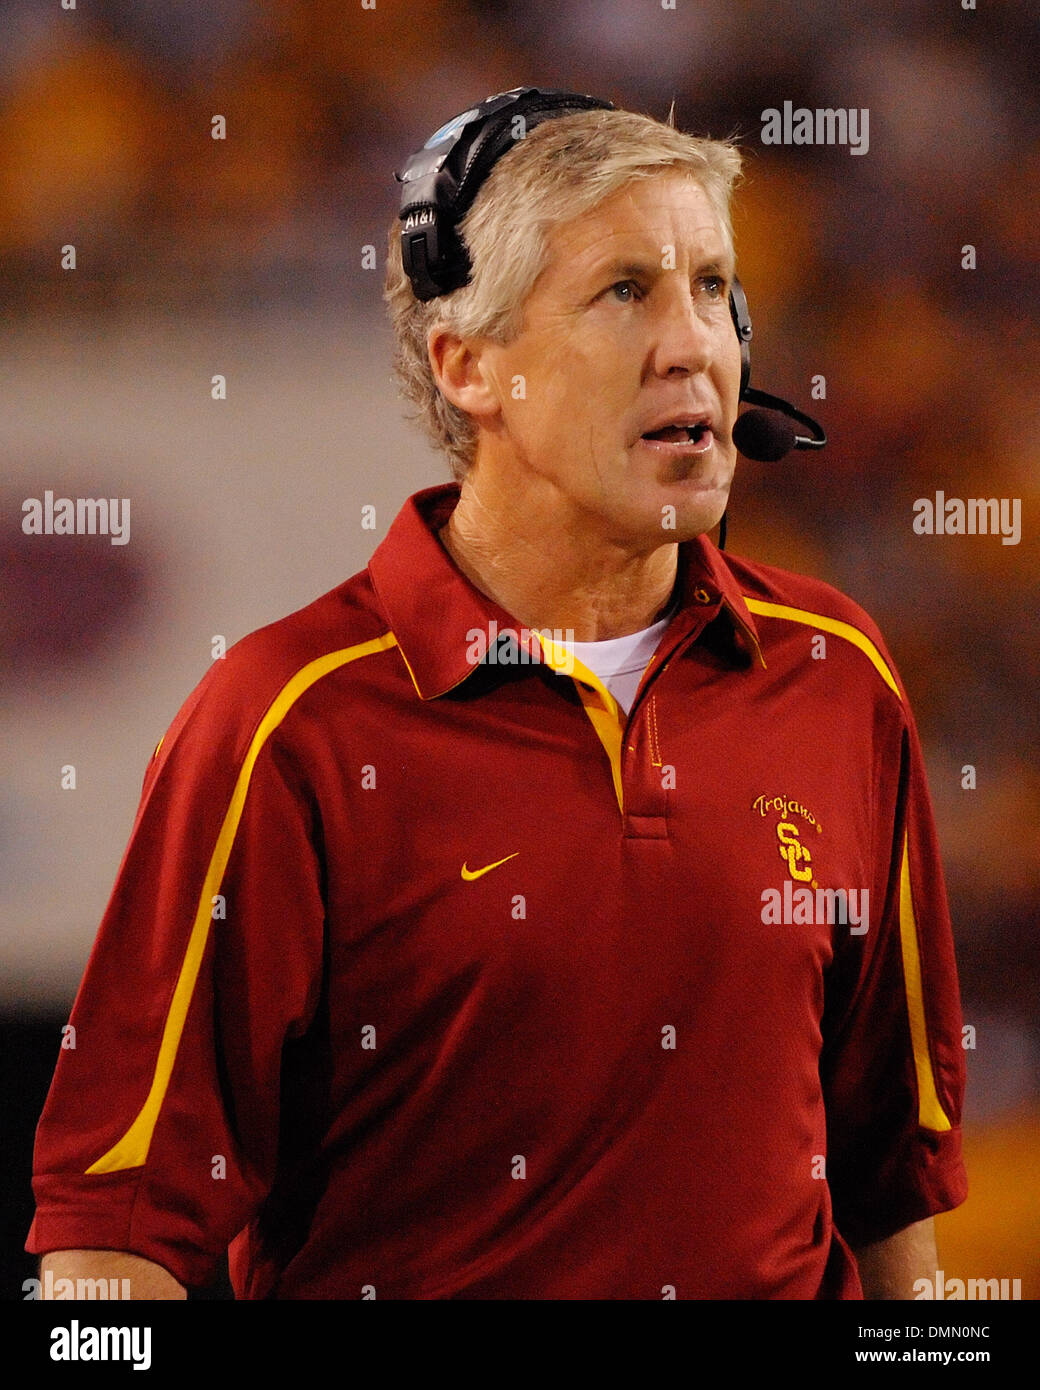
[715,286]
[626,291]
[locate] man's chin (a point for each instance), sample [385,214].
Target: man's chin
[689,508]
[689,496]
[687,511]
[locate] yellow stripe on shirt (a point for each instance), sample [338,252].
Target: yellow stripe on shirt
[131,1150]
[603,710]
[930,1113]
[834,625]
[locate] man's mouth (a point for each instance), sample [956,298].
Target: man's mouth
[681,437]
[679,434]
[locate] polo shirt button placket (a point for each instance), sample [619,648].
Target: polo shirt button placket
[644,764]
[645,814]
[646,800]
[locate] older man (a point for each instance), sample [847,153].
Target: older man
[553,910]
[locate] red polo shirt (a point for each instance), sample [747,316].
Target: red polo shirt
[426,977]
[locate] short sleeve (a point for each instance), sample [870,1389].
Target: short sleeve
[892,1065]
[160,1134]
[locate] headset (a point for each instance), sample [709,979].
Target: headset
[439,184]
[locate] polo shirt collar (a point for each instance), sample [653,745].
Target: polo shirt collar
[709,584]
[434,610]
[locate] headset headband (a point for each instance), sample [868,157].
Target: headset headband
[440,181]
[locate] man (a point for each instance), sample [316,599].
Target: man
[447,966]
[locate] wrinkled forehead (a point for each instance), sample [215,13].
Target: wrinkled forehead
[645,217]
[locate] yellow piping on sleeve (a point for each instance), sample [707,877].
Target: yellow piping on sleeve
[131,1150]
[930,1112]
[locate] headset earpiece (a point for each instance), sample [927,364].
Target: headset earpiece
[440,181]
[739,312]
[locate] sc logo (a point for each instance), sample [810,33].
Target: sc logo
[793,852]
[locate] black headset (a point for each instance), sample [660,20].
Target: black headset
[440,182]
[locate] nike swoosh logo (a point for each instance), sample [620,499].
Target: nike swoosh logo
[470,874]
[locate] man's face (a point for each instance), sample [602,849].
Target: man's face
[627,340]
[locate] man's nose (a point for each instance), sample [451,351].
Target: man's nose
[684,337]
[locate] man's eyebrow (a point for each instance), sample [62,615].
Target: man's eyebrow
[724,269]
[620,269]
[623,269]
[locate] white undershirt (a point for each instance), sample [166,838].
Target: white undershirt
[620,661]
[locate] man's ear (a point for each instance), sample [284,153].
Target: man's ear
[461,371]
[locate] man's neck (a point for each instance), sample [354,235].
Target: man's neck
[553,575]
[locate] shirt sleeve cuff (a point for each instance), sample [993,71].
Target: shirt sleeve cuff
[104,1212]
[906,1192]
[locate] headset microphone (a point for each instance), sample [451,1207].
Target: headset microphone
[758,435]
[763,436]
[438,186]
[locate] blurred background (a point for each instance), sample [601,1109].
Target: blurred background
[245,257]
